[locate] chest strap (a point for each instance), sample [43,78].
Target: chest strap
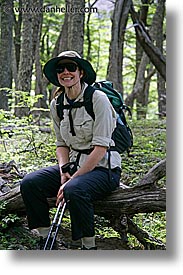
[70,107]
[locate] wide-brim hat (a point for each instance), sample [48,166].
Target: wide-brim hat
[49,69]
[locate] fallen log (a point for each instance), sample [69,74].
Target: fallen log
[122,201]
[132,201]
[144,197]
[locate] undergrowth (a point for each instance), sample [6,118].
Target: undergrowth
[31,145]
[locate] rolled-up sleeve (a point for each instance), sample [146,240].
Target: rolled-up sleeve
[105,120]
[56,124]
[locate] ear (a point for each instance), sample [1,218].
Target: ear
[81,73]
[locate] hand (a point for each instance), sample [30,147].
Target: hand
[65,177]
[60,195]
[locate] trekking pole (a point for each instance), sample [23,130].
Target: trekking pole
[55,226]
[58,225]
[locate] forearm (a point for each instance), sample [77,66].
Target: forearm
[92,160]
[62,154]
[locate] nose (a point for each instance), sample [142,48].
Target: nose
[65,70]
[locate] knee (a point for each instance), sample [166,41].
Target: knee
[71,190]
[68,192]
[26,184]
[76,190]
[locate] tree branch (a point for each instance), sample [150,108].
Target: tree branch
[145,41]
[149,242]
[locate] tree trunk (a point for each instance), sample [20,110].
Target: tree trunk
[17,37]
[159,42]
[89,42]
[76,26]
[142,97]
[119,21]
[141,82]
[142,14]
[41,104]
[153,52]
[6,51]
[63,41]
[16,45]
[26,58]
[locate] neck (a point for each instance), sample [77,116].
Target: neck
[73,91]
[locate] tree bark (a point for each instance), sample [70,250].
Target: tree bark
[119,21]
[143,237]
[153,52]
[76,26]
[140,90]
[17,37]
[41,104]
[6,51]
[26,58]
[161,87]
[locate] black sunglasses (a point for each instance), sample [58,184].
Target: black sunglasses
[71,67]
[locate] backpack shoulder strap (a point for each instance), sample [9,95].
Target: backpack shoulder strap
[88,95]
[59,105]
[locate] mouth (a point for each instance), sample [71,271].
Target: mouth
[67,78]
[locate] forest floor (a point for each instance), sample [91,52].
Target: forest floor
[21,238]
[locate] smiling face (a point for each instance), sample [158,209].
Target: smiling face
[68,73]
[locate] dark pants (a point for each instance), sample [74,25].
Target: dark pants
[80,193]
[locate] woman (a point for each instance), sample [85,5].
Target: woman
[91,181]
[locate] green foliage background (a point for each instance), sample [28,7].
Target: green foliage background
[23,139]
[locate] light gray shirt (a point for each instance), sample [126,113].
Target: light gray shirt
[89,132]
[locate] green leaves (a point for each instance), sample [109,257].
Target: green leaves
[149,148]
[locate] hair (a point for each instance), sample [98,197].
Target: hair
[58,91]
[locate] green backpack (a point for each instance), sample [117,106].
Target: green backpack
[122,134]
